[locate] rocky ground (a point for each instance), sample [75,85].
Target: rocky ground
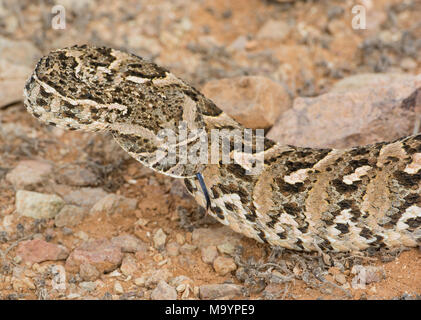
[80,219]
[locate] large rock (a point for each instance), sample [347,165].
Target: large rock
[38,205]
[29,173]
[17,60]
[36,251]
[102,254]
[381,109]
[254,101]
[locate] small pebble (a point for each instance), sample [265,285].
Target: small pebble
[224,265]
[408,64]
[118,288]
[180,239]
[159,239]
[140,281]
[88,272]
[226,248]
[187,248]
[173,249]
[218,291]
[88,286]
[154,276]
[340,278]
[128,266]
[209,254]
[128,243]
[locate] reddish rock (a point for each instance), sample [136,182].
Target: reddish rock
[381,110]
[36,251]
[102,254]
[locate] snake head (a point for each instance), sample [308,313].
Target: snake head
[140,103]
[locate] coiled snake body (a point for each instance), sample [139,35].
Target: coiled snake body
[303,199]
